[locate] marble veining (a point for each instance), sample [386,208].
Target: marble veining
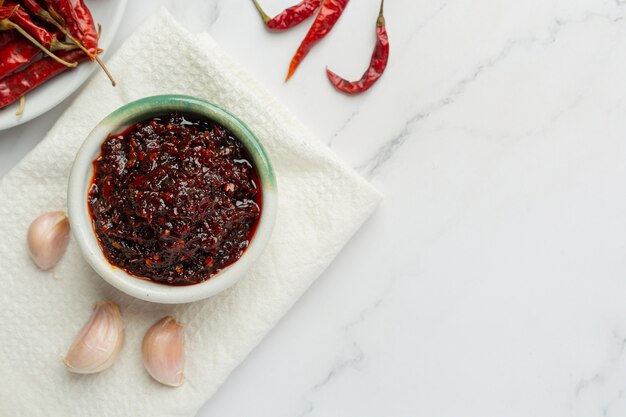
[351,356]
[386,151]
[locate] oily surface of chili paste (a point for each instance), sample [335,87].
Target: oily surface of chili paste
[174,199]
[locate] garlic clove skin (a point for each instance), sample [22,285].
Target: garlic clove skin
[99,342]
[163,352]
[48,237]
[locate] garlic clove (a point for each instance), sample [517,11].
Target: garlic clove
[163,351]
[48,237]
[99,342]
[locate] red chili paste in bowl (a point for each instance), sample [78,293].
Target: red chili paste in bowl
[174,199]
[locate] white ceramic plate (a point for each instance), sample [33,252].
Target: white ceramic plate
[106,12]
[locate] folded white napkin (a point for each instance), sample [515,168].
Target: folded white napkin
[322,202]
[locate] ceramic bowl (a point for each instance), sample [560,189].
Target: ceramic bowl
[82,174]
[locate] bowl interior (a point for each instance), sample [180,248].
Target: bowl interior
[82,173]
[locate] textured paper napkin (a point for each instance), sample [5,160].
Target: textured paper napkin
[322,202]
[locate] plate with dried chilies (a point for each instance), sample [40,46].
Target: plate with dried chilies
[48,49]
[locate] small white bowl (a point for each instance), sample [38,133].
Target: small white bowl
[82,174]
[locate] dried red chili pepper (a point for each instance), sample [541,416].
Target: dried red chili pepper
[377,66]
[75,18]
[32,6]
[7,36]
[16,55]
[6,24]
[79,22]
[47,39]
[6,12]
[330,12]
[36,9]
[290,17]
[15,86]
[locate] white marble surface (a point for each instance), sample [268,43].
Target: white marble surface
[492,281]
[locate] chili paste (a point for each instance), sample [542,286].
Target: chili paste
[174,199]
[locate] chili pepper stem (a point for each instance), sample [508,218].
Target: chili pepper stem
[381,17]
[47,17]
[105,69]
[20,110]
[56,16]
[22,32]
[99,61]
[57,45]
[264,15]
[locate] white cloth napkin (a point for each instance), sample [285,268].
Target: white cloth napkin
[322,202]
